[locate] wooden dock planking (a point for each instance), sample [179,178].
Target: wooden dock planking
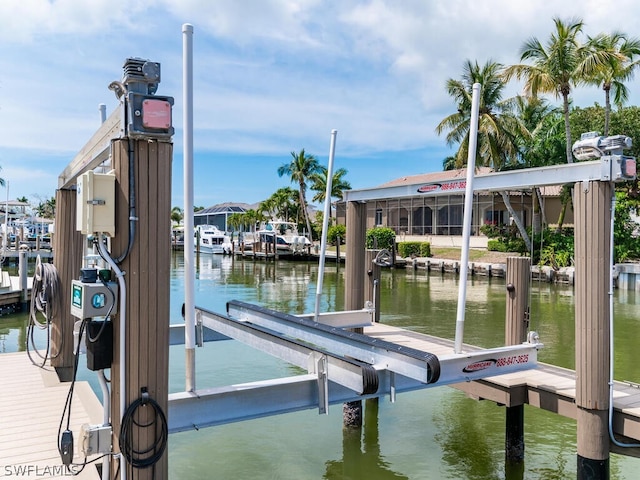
[31,404]
[548,387]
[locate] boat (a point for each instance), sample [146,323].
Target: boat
[288,240]
[210,239]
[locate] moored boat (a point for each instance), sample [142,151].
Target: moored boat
[210,239]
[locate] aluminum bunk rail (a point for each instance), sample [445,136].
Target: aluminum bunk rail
[425,367]
[412,363]
[353,374]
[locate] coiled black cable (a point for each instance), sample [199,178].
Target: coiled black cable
[45,299]
[149,456]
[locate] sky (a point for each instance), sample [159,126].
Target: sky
[270,77]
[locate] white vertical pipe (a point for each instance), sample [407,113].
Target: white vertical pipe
[189,256]
[468,213]
[106,410]
[103,112]
[325,221]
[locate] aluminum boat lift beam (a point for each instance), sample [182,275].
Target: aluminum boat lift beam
[342,366]
[605,169]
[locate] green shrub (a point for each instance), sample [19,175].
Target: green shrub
[381,238]
[425,249]
[496,246]
[517,245]
[409,249]
[336,231]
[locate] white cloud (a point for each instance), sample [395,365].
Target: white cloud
[270,75]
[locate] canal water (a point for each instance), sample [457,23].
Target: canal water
[435,433]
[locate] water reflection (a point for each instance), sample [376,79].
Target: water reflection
[361,457]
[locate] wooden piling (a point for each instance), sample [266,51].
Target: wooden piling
[68,245]
[354,287]
[518,273]
[22,281]
[592,205]
[147,275]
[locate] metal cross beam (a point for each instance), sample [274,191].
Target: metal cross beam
[601,170]
[95,151]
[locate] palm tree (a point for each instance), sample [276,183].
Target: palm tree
[617,68]
[539,147]
[300,169]
[176,215]
[498,129]
[338,184]
[556,67]
[496,126]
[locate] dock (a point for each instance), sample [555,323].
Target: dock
[31,405]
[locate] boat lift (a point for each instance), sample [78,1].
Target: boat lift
[343,365]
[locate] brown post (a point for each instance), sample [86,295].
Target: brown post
[354,287]
[146,271]
[68,248]
[592,202]
[518,273]
[372,282]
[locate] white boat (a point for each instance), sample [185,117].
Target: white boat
[288,240]
[209,239]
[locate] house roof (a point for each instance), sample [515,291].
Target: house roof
[435,177]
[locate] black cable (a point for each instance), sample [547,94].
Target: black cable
[45,299]
[67,405]
[132,204]
[149,456]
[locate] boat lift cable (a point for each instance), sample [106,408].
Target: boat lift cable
[611,343]
[45,300]
[132,204]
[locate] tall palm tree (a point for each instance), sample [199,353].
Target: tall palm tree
[498,129]
[338,185]
[300,170]
[556,68]
[618,66]
[541,121]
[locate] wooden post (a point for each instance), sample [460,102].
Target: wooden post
[372,281]
[68,248]
[146,271]
[354,287]
[592,202]
[338,249]
[23,263]
[518,273]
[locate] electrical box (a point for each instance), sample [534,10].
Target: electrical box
[623,168]
[95,439]
[96,202]
[99,338]
[93,299]
[149,116]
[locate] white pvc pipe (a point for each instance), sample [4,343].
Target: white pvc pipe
[106,411]
[122,314]
[325,222]
[189,256]
[468,211]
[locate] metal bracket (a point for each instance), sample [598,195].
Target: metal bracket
[199,329]
[323,384]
